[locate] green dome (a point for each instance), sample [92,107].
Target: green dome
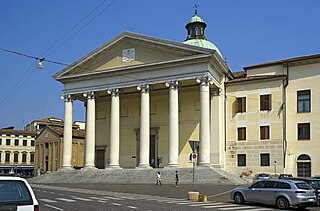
[196,18]
[203,43]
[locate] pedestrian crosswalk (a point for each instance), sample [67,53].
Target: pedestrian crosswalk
[116,199]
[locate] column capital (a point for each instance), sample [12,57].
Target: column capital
[66,98]
[89,95]
[113,92]
[205,80]
[172,84]
[144,88]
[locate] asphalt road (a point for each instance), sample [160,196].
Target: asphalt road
[137,197]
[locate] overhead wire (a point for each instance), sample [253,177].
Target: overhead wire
[79,30]
[72,28]
[22,81]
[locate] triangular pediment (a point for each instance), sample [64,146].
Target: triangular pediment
[129,50]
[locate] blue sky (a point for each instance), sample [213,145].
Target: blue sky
[247,32]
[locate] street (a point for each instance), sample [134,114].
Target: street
[146,197]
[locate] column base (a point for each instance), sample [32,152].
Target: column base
[89,167]
[66,168]
[172,166]
[143,166]
[113,167]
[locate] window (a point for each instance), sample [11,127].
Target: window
[32,142]
[24,157]
[8,142]
[32,158]
[303,101]
[304,166]
[16,142]
[259,184]
[241,133]
[264,132]
[304,131]
[242,160]
[15,157]
[264,159]
[265,102]
[7,158]
[25,142]
[241,104]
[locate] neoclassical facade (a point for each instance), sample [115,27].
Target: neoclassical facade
[146,98]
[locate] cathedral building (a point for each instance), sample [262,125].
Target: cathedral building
[147,99]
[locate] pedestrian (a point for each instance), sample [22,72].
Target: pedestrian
[177,178]
[159,178]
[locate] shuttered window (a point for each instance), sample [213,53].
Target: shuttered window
[265,102]
[241,133]
[264,132]
[264,159]
[241,104]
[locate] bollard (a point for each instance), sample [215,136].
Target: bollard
[193,196]
[203,198]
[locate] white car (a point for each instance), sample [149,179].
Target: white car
[17,194]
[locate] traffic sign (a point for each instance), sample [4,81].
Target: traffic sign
[193,157]
[193,145]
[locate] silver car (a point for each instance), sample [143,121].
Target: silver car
[277,192]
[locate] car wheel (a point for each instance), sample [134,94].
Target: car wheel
[238,198]
[282,203]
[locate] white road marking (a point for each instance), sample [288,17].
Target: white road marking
[97,198]
[47,200]
[53,207]
[236,208]
[222,206]
[67,200]
[82,199]
[52,192]
[109,197]
[133,207]
[117,204]
[204,204]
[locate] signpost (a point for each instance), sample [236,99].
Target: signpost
[193,159]
[275,168]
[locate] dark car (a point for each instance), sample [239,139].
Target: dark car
[283,176]
[314,183]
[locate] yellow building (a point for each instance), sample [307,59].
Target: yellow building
[49,149]
[146,98]
[17,152]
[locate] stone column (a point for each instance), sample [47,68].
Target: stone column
[90,131]
[67,133]
[144,127]
[204,138]
[173,150]
[114,129]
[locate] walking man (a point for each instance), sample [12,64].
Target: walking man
[177,178]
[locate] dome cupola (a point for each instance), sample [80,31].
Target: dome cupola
[196,35]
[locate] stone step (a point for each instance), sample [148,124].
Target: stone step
[138,176]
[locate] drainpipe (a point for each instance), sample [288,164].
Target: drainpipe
[284,116]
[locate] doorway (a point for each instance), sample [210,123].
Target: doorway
[100,159]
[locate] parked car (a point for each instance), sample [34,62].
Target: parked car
[314,183]
[277,192]
[316,176]
[17,194]
[262,176]
[282,176]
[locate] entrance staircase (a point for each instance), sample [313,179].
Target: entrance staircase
[140,176]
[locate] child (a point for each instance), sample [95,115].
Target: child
[159,179]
